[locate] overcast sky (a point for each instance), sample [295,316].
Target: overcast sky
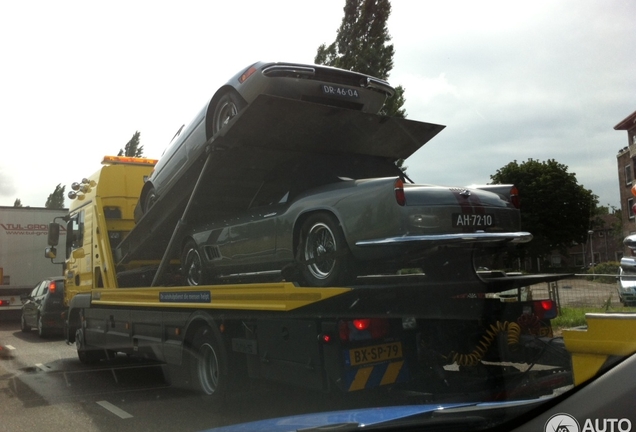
[511,80]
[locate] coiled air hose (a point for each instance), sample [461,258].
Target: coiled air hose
[473,358]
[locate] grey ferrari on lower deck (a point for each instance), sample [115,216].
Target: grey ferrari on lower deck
[322,220]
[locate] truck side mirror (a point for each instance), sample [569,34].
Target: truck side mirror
[50,252]
[54,234]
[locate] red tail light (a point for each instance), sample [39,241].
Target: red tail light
[400,198]
[362,324]
[514,197]
[4,302]
[363,328]
[52,287]
[545,309]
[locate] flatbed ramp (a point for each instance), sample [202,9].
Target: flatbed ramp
[266,135]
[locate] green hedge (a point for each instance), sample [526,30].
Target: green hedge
[606,268]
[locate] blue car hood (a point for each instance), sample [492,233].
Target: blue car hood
[366,417]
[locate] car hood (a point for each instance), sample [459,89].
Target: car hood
[363,418]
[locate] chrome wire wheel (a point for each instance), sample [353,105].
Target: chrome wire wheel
[319,245]
[193,267]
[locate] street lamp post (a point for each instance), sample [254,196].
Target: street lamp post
[591,234]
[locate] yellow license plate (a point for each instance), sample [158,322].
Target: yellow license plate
[376,353]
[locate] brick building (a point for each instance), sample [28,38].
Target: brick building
[603,244]
[626,160]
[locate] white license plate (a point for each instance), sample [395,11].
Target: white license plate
[473,220]
[376,353]
[333,90]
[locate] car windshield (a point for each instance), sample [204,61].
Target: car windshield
[374,214]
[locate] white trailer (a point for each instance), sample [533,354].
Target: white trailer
[23,237]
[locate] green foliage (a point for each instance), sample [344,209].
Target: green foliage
[393,105]
[575,317]
[362,45]
[132,148]
[56,199]
[606,268]
[554,207]
[17,203]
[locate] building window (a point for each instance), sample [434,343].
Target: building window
[579,259]
[630,203]
[628,174]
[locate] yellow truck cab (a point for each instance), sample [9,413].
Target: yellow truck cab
[105,200]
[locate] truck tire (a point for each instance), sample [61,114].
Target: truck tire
[323,251]
[208,364]
[85,354]
[227,106]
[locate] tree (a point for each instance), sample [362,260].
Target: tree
[132,148]
[362,45]
[17,203]
[56,199]
[555,209]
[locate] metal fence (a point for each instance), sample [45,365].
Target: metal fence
[584,290]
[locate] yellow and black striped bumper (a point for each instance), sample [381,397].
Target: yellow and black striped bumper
[371,376]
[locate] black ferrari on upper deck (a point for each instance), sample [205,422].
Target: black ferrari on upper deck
[311,83]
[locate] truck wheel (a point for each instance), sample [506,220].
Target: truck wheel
[85,354]
[192,266]
[208,363]
[42,332]
[323,251]
[228,105]
[23,325]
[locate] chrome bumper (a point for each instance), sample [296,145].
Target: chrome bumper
[476,237]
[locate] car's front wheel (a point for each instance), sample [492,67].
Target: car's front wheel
[324,254]
[227,106]
[192,266]
[23,324]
